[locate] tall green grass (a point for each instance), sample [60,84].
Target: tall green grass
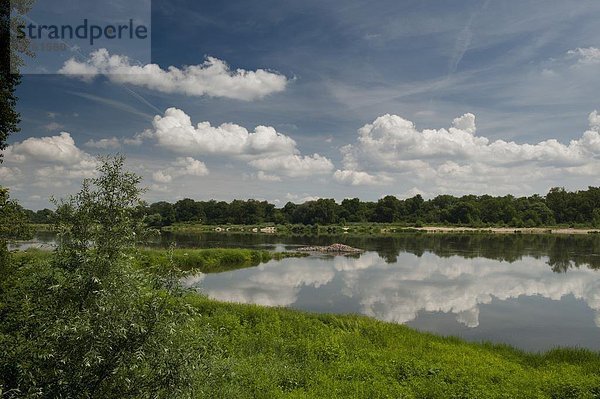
[281,353]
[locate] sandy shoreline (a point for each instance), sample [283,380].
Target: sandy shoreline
[508,230]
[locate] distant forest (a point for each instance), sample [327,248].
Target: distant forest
[558,207]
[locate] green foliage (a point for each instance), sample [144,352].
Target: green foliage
[574,207]
[596,217]
[41,217]
[86,322]
[13,225]
[13,219]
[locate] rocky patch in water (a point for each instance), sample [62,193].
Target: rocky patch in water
[333,248]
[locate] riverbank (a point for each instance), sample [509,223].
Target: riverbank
[356,229]
[276,352]
[508,230]
[372,229]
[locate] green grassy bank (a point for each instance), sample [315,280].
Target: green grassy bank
[275,352]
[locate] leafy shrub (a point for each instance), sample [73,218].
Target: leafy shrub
[85,322]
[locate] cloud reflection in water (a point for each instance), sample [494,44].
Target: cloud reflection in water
[398,291]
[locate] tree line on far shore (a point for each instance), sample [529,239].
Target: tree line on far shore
[558,207]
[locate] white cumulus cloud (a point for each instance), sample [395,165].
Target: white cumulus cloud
[60,148]
[270,152]
[46,163]
[161,176]
[9,174]
[185,166]
[458,160]
[175,131]
[594,120]
[357,178]
[294,165]
[212,78]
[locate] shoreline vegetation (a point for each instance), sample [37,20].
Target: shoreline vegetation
[508,230]
[359,229]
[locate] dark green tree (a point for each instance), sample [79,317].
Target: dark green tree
[386,210]
[559,201]
[188,210]
[13,225]
[161,214]
[353,210]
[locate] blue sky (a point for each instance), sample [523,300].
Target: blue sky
[342,80]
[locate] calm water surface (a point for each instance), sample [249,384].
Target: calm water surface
[535,292]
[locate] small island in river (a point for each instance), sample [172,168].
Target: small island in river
[333,248]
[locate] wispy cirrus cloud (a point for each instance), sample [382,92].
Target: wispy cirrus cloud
[587,55]
[110,143]
[52,126]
